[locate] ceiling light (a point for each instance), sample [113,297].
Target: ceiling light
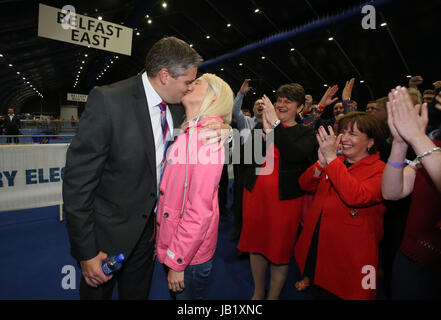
[10,65]
[208,37]
[149,21]
[241,64]
[191,45]
[18,72]
[111,61]
[292,49]
[383,24]
[116,57]
[81,67]
[257,10]
[147,16]
[330,38]
[100,18]
[164,5]
[222,69]
[85,55]
[82,61]
[228,25]
[1,56]
[274,90]
[137,33]
[409,77]
[325,85]
[361,81]
[262,57]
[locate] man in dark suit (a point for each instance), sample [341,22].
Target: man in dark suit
[113,169]
[12,126]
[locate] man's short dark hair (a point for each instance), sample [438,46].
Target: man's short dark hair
[292,91]
[172,53]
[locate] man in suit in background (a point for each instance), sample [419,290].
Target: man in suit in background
[113,170]
[12,126]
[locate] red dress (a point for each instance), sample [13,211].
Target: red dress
[269,225]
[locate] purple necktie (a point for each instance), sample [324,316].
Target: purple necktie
[164,126]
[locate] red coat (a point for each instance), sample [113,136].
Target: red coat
[351,228]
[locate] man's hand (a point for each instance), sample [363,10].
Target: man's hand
[176,281]
[414,82]
[214,131]
[327,97]
[245,88]
[347,91]
[92,272]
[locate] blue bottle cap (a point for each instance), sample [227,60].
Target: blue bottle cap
[120,257]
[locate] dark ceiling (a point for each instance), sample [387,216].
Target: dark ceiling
[382,58]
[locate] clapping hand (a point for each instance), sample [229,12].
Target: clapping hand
[269,114]
[406,121]
[328,145]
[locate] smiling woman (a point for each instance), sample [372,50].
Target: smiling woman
[347,211]
[272,203]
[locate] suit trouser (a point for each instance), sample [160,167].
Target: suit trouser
[134,278]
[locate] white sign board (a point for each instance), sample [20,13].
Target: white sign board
[68,26]
[31,176]
[77,97]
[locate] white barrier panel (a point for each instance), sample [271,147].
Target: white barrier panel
[31,175]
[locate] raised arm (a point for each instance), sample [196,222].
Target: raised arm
[237,113]
[410,123]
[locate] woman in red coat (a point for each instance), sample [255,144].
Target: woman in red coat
[338,247]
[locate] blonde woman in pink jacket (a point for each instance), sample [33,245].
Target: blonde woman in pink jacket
[188,211]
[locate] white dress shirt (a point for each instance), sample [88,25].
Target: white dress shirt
[153,99]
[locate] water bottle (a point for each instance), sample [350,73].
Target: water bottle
[113,264]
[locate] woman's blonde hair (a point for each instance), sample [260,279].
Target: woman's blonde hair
[222,106]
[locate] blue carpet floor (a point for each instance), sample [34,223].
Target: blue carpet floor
[34,248]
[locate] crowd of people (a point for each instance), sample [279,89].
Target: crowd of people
[359,209]
[322,195]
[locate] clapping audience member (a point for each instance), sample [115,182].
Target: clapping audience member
[273,201]
[418,263]
[343,227]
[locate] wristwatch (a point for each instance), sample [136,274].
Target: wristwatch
[276,123]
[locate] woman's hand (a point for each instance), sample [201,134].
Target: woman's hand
[327,99]
[328,144]
[321,158]
[176,281]
[410,121]
[269,111]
